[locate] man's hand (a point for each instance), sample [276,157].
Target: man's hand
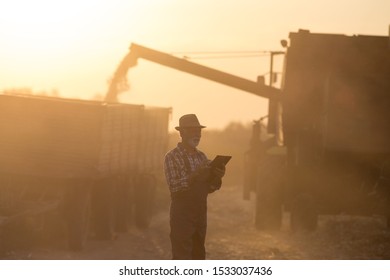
[216,181]
[201,174]
[219,172]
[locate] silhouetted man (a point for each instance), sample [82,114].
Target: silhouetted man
[190,179]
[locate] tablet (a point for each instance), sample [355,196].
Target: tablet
[220,160]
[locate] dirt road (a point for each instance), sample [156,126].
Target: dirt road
[231,235]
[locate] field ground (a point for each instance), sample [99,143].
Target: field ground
[232,235]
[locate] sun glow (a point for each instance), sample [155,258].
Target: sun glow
[44,25]
[50,43]
[74,46]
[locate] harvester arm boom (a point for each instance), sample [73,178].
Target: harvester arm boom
[137,51]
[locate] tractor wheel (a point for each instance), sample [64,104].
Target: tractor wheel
[249,178]
[78,209]
[144,200]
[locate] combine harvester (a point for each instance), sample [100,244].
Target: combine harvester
[328,147]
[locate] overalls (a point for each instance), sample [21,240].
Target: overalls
[188,220]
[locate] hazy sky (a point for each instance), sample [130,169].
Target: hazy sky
[74,46]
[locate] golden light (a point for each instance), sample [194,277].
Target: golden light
[43,26]
[54,43]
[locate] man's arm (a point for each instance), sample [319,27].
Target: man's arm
[176,174]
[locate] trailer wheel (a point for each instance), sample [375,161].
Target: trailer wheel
[78,209]
[103,209]
[144,199]
[123,201]
[304,215]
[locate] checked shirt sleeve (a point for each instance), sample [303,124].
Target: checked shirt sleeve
[175,173]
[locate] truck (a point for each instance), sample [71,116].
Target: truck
[336,131]
[93,163]
[325,149]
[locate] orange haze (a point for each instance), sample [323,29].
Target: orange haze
[74,46]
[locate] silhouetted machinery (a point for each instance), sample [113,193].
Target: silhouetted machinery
[328,145]
[91,164]
[326,149]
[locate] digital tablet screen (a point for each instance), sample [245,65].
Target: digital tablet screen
[220,160]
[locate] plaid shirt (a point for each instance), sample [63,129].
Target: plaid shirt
[176,170]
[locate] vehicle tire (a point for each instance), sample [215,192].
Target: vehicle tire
[78,210]
[123,204]
[304,216]
[2,243]
[385,183]
[249,177]
[388,221]
[103,209]
[144,200]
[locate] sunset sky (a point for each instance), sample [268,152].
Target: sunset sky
[74,46]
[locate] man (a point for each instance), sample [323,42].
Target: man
[190,179]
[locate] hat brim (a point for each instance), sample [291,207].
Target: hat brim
[182,127]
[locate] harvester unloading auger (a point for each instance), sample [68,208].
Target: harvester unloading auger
[137,51]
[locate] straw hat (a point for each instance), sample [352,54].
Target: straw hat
[187,121]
